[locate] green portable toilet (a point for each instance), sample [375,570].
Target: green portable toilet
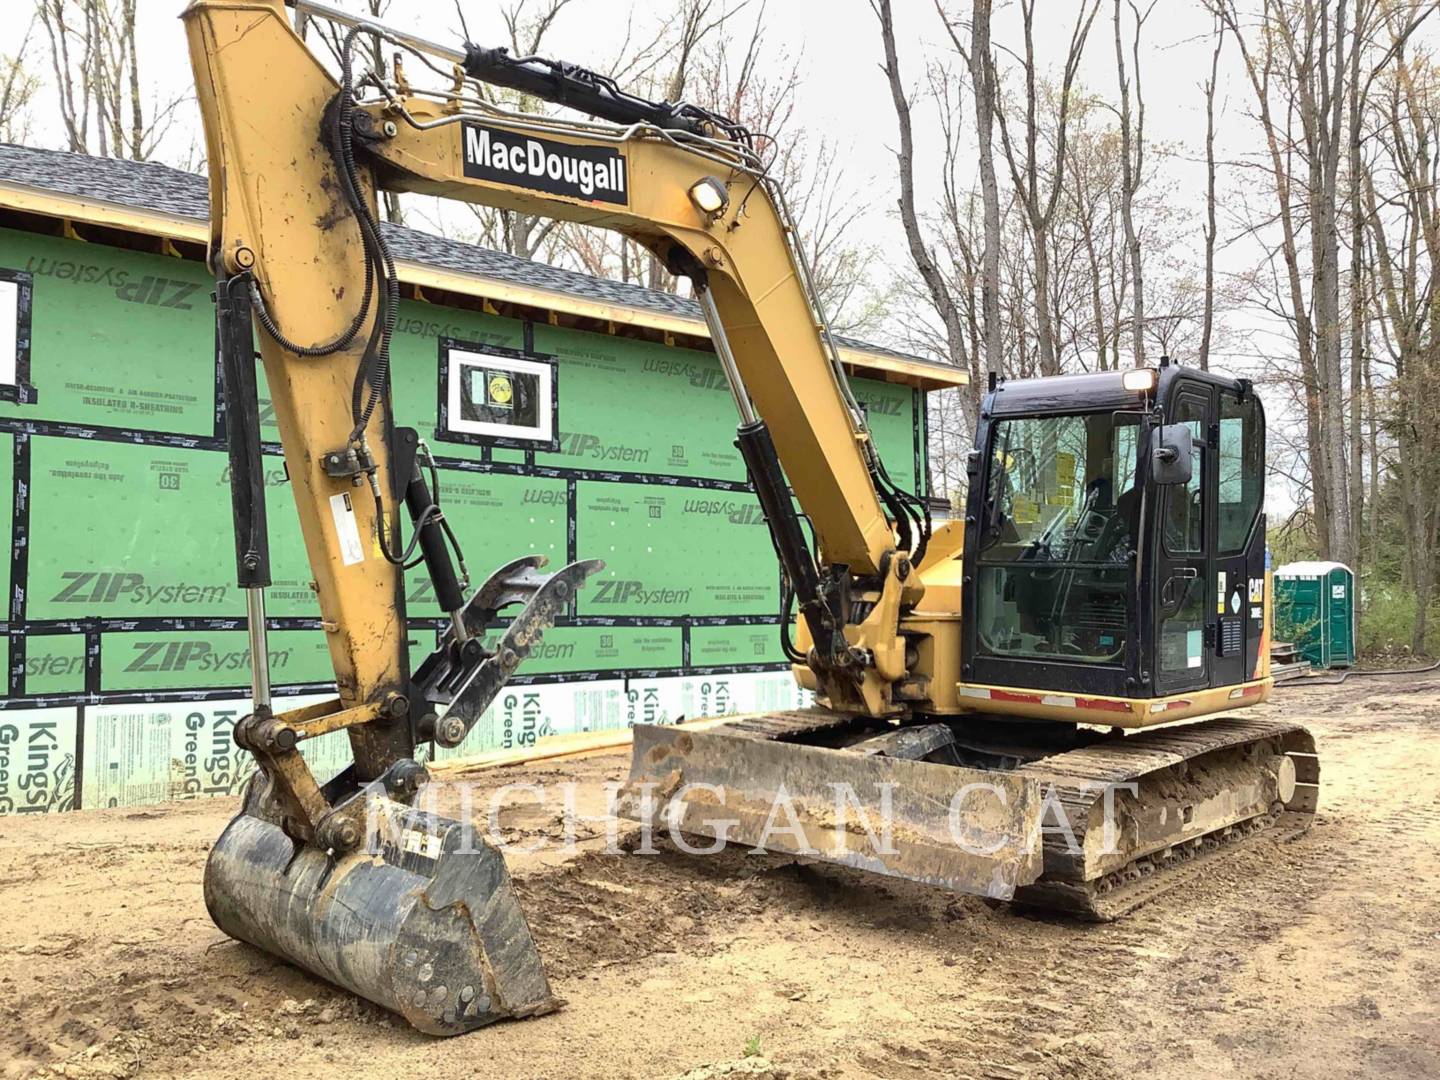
[1315,609]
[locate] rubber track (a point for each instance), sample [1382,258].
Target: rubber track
[1121,892]
[1081,776]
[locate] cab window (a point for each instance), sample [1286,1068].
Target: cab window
[1061,518]
[1242,469]
[1184,525]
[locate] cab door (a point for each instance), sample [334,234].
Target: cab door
[1184,582]
[1238,442]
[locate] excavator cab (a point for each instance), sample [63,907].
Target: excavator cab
[1116,535]
[1110,576]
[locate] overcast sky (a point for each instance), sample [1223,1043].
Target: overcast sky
[834,44]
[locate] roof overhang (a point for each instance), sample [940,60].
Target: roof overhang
[99,212]
[920,374]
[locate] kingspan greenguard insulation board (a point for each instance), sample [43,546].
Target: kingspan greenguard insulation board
[126,656]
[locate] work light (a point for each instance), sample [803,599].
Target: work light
[1141,380]
[709,196]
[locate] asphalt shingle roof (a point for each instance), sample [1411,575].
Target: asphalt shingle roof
[149,186]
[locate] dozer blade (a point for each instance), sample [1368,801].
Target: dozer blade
[421,919]
[963,829]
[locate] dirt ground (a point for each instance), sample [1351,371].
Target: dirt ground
[1314,957]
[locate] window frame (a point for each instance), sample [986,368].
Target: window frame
[455,355]
[19,389]
[1257,411]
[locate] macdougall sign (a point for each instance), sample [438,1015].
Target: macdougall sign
[596,173]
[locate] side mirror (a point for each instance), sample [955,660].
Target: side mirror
[1173,459]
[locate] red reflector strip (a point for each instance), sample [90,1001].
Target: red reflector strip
[1104,704]
[1059,701]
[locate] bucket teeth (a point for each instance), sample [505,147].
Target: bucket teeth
[421,919]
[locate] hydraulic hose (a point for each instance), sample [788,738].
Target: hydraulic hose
[1348,674]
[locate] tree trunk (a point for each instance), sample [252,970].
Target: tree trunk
[1358,305]
[1132,154]
[1278,143]
[936,286]
[1373,529]
[1211,227]
[1025,174]
[1337,468]
[982,78]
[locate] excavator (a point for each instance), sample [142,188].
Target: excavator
[1028,699]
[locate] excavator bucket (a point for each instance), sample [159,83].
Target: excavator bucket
[421,918]
[864,806]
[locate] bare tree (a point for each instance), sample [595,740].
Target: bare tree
[1356,91]
[1404,232]
[668,64]
[525,235]
[920,252]
[95,60]
[74,100]
[1211,227]
[1263,70]
[1303,62]
[332,36]
[18,87]
[722,63]
[982,71]
[1030,177]
[827,210]
[663,58]
[1320,67]
[980,62]
[1087,194]
[1132,168]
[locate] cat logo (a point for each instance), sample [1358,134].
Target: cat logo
[500,391]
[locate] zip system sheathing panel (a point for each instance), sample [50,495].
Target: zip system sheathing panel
[126,655]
